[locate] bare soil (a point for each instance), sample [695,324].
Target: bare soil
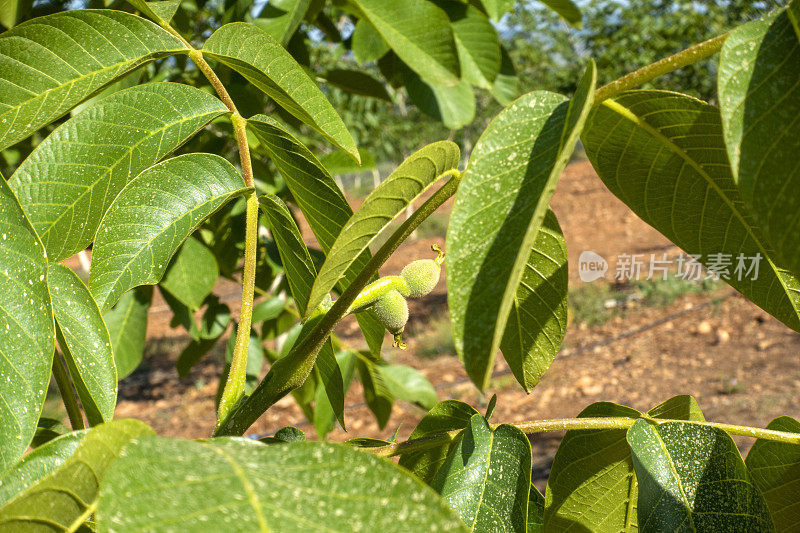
[740,363]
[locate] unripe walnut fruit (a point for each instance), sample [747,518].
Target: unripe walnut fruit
[422,275]
[392,310]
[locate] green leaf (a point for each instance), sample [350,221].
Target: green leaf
[296,259]
[775,470]
[486,478]
[12,11]
[663,155]
[331,487]
[64,499]
[537,321]
[152,216]
[357,82]
[285,435]
[535,511]
[454,106]
[300,273]
[191,274]
[281,18]
[567,9]
[324,415]
[267,65]
[368,45]
[50,64]
[160,11]
[376,392]
[215,321]
[760,101]
[513,168]
[37,464]
[497,8]
[692,478]
[407,183]
[338,163]
[506,86]
[476,41]
[592,486]
[408,384]
[322,202]
[419,32]
[127,328]
[48,429]
[592,482]
[28,332]
[85,343]
[70,180]
[269,309]
[449,415]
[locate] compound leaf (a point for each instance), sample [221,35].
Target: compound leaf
[85,343]
[486,478]
[266,64]
[48,65]
[71,178]
[65,498]
[663,155]
[692,478]
[127,328]
[499,208]
[775,470]
[759,102]
[212,483]
[407,183]
[152,216]
[27,330]
[420,33]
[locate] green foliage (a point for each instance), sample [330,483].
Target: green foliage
[489,249]
[713,181]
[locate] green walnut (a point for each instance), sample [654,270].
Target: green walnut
[387,296]
[421,276]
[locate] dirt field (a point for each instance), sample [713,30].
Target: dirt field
[738,362]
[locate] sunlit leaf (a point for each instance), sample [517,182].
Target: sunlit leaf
[592,483]
[419,32]
[222,481]
[12,11]
[691,477]
[152,216]
[339,162]
[759,102]
[267,65]
[663,155]
[775,470]
[158,10]
[407,183]
[454,106]
[71,491]
[486,477]
[85,343]
[70,180]
[26,329]
[408,384]
[497,8]
[50,64]
[377,395]
[37,464]
[500,206]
